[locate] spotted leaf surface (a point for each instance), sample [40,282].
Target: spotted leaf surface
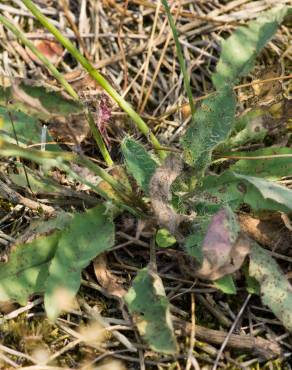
[211,126]
[275,289]
[273,163]
[235,189]
[149,306]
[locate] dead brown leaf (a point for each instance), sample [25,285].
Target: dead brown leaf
[51,49]
[106,279]
[269,91]
[160,193]
[270,232]
[224,249]
[73,132]
[211,268]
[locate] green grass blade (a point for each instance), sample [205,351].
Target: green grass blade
[63,160]
[180,57]
[59,77]
[142,126]
[98,139]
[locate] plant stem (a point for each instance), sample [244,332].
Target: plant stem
[121,189]
[142,126]
[98,139]
[180,57]
[60,159]
[124,192]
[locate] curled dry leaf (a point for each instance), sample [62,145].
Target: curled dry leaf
[160,193]
[270,232]
[106,279]
[51,49]
[224,247]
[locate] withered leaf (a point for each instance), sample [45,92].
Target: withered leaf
[106,279]
[224,247]
[51,49]
[160,193]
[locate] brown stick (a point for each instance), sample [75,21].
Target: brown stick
[263,347]
[16,198]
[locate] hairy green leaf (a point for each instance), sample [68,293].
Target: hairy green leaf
[276,291]
[213,122]
[239,51]
[139,162]
[234,189]
[269,168]
[211,126]
[88,235]
[149,306]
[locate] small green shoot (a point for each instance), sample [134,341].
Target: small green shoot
[164,239]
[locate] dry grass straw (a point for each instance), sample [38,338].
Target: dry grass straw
[130,42]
